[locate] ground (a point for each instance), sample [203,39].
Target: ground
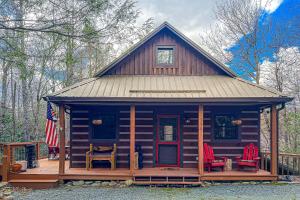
[218,192]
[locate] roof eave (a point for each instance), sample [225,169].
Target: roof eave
[57,99]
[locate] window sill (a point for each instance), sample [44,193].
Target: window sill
[165,66]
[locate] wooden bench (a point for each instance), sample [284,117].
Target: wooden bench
[101,153]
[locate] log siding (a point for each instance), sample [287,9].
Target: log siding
[146,131]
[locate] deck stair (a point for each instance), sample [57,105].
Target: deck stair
[34,181]
[167,180]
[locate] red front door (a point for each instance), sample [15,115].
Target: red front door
[168,141]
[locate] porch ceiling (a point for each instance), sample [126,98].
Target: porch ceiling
[171,88]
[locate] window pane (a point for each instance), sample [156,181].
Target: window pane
[165,56]
[105,130]
[223,127]
[168,129]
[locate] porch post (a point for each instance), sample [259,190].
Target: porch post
[132,138]
[200,139]
[6,161]
[274,140]
[62,138]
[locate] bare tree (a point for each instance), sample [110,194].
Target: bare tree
[239,23]
[283,74]
[44,48]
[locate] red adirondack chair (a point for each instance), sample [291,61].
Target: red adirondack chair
[210,161]
[250,158]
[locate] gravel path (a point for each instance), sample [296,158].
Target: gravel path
[221,192]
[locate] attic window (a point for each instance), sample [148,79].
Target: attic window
[165,55]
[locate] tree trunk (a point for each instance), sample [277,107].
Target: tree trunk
[4,95]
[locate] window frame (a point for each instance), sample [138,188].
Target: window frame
[173,47]
[91,126]
[235,115]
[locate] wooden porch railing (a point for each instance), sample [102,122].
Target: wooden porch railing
[288,163]
[13,152]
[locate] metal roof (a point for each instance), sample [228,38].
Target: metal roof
[173,88]
[178,34]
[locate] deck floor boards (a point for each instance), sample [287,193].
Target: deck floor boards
[50,167]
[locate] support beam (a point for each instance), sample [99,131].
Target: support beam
[132,138]
[200,139]
[6,161]
[62,138]
[37,150]
[274,140]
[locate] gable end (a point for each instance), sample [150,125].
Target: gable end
[187,58]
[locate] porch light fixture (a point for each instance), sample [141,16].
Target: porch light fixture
[236,122]
[187,120]
[97,122]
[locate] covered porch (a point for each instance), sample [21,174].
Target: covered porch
[139,124]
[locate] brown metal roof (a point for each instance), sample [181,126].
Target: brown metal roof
[173,88]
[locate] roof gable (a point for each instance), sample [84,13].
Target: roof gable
[192,60]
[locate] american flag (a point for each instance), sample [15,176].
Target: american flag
[51,133]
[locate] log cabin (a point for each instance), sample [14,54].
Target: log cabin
[169,97]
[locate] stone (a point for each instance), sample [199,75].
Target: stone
[88,182]
[128,182]
[3,184]
[69,183]
[96,184]
[112,183]
[7,192]
[105,184]
[78,183]
[207,182]
[9,197]
[246,183]
[122,185]
[253,182]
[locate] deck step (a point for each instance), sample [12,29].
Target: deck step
[166,183]
[34,183]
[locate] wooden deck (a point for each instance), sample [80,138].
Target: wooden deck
[48,170]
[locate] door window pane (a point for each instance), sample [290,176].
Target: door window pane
[168,129]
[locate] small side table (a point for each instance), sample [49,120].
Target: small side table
[228,165]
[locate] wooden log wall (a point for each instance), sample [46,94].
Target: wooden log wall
[186,60]
[144,135]
[146,130]
[249,133]
[79,136]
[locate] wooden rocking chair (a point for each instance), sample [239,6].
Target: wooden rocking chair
[210,161]
[101,153]
[250,158]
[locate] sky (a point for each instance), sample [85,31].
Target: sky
[192,17]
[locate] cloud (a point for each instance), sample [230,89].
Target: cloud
[190,17]
[271,6]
